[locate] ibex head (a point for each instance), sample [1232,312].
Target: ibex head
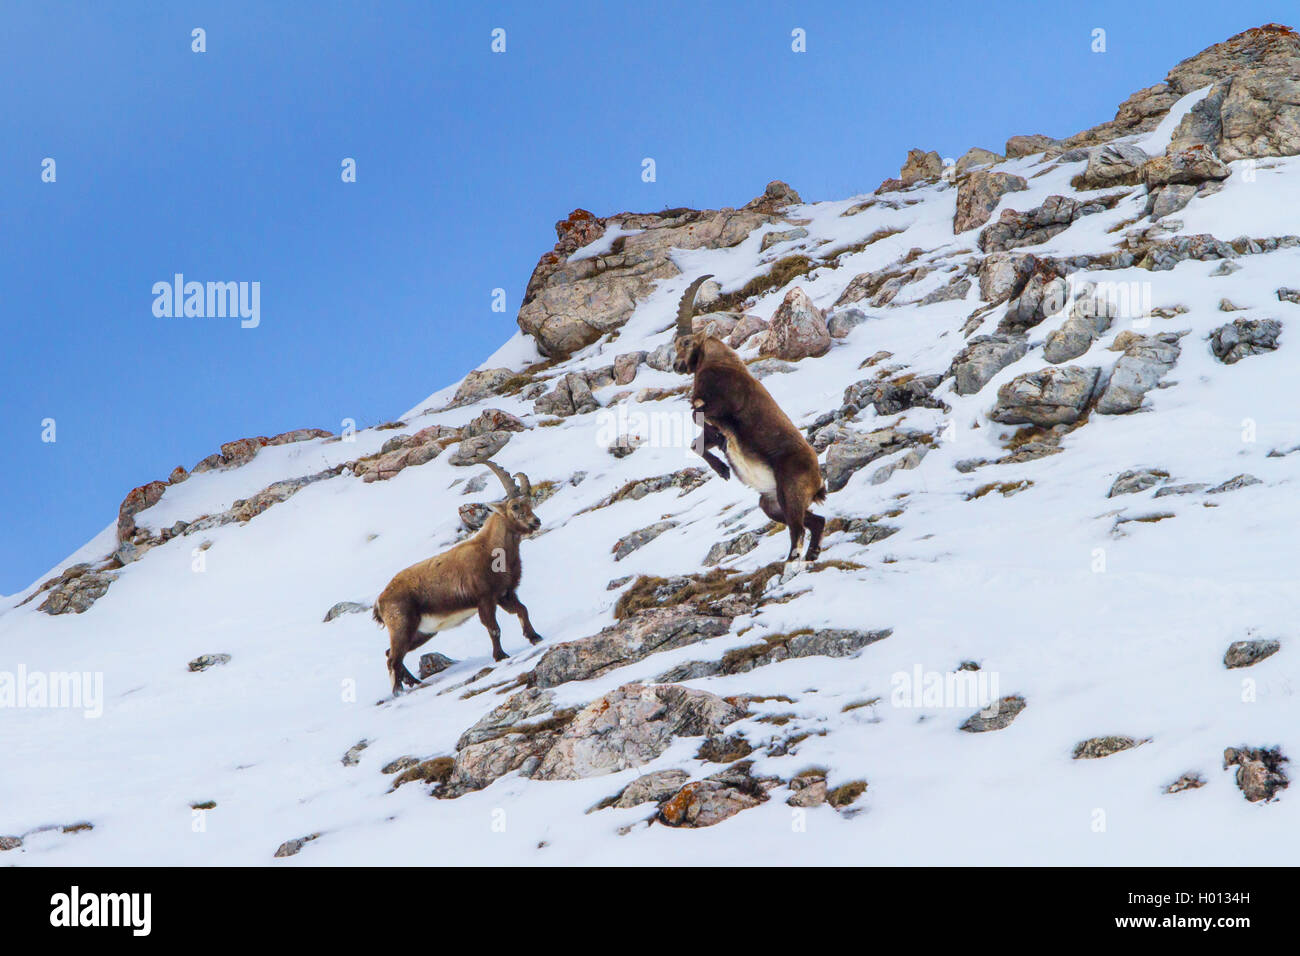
[517,508]
[688,342]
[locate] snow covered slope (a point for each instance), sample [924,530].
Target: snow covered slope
[989,552]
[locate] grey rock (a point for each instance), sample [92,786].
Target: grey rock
[1139,479]
[1096,747]
[650,788]
[1190,488]
[1115,164]
[647,632]
[478,449]
[1233,484]
[479,384]
[293,847]
[1260,775]
[433,663]
[978,195]
[204,661]
[843,321]
[1146,360]
[996,716]
[797,330]
[1056,395]
[640,538]
[982,358]
[346,607]
[1003,274]
[1244,337]
[353,755]
[740,544]
[1249,653]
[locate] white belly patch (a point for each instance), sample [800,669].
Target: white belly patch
[752,471]
[433,623]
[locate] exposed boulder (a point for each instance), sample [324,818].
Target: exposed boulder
[1249,653]
[491,420]
[921,165]
[744,330]
[841,322]
[433,663]
[479,448]
[982,358]
[976,156]
[741,544]
[405,451]
[625,366]
[822,642]
[297,435]
[1090,316]
[1259,771]
[137,500]
[1115,164]
[571,302]
[889,398]
[1146,360]
[852,450]
[704,803]
[1004,274]
[1096,747]
[572,394]
[1018,146]
[1057,395]
[345,607]
[798,329]
[1136,480]
[996,716]
[76,589]
[648,788]
[776,196]
[1191,166]
[978,195]
[771,239]
[1044,293]
[479,384]
[1243,337]
[647,632]
[1014,228]
[639,538]
[204,661]
[1234,484]
[1164,254]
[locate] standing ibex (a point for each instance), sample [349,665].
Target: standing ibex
[476,575]
[739,416]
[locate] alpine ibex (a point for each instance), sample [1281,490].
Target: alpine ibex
[737,414]
[477,575]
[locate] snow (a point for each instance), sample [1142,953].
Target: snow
[1013,583]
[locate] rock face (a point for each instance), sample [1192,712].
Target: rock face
[976,156]
[1014,228]
[479,448]
[852,450]
[707,802]
[1049,396]
[1090,316]
[921,165]
[1096,747]
[1018,146]
[1191,166]
[1259,771]
[570,303]
[479,384]
[137,500]
[1146,360]
[824,642]
[1243,337]
[625,728]
[996,716]
[650,788]
[798,329]
[640,538]
[890,398]
[1004,274]
[978,195]
[635,638]
[1249,653]
[1139,479]
[76,590]
[571,396]
[982,358]
[1117,164]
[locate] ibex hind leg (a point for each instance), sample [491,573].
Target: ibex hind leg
[794,509]
[401,633]
[816,524]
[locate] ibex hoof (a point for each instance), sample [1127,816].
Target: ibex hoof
[500,656]
[536,639]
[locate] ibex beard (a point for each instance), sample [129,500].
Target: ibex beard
[762,446]
[478,575]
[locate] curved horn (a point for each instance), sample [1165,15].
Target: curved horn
[686,307]
[525,488]
[512,490]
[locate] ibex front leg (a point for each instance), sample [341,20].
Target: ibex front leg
[516,607]
[487,613]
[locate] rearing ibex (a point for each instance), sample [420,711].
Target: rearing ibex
[738,415]
[477,575]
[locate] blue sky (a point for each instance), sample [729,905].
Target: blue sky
[225,165]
